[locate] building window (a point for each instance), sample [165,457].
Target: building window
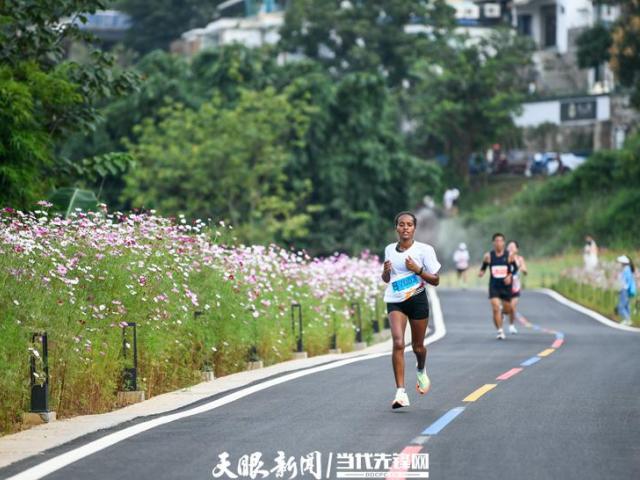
[548,25]
[524,25]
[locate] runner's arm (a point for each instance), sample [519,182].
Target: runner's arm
[430,278]
[386,269]
[485,264]
[386,273]
[523,266]
[431,267]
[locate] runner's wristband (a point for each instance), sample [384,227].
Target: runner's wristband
[421,270]
[484,266]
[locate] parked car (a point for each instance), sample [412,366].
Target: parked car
[517,161]
[477,164]
[547,163]
[569,161]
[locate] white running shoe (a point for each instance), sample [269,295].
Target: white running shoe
[401,400]
[501,335]
[512,329]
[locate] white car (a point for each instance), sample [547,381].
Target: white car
[569,160]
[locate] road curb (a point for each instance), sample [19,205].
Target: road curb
[586,311]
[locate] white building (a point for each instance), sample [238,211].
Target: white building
[107,25]
[254,31]
[555,25]
[550,22]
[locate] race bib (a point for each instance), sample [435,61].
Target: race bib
[405,283]
[499,271]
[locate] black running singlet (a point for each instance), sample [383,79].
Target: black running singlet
[499,268]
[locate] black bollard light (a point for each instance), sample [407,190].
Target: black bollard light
[296,306]
[130,374]
[386,323]
[376,322]
[40,389]
[355,307]
[334,335]
[253,353]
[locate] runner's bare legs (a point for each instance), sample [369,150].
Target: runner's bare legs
[497,313]
[418,332]
[398,322]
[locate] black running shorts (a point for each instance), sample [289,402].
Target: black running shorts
[415,307]
[503,293]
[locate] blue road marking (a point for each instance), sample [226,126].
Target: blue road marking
[443,421]
[530,361]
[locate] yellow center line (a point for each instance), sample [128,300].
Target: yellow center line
[472,397]
[546,352]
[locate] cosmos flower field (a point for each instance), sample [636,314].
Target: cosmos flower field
[199,299]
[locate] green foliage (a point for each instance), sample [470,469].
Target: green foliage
[66,200]
[222,161]
[361,172]
[465,100]
[600,198]
[619,44]
[43,97]
[99,166]
[366,36]
[169,78]
[593,46]
[27,96]
[156,23]
[347,169]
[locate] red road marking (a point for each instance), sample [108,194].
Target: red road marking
[408,450]
[557,343]
[509,373]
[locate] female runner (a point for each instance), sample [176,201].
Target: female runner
[408,266]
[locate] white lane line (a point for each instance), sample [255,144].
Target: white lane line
[586,311]
[45,468]
[438,319]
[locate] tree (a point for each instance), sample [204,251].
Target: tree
[371,36]
[167,78]
[619,44]
[224,162]
[467,100]
[625,48]
[156,23]
[43,97]
[593,46]
[356,159]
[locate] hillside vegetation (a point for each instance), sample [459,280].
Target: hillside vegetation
[601,198]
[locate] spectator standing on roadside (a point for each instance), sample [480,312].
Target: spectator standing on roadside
[590,254]
[461,259]
[450,199]
[628,288]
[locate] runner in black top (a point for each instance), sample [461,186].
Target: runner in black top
[502,267]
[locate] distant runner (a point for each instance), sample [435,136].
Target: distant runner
[502,267]
[408,266]
[516,284]
[461,259]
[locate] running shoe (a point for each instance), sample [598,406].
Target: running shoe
[401,400]
[501,335]
[423,384]
[512,329]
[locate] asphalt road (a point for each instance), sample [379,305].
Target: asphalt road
[574,414]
